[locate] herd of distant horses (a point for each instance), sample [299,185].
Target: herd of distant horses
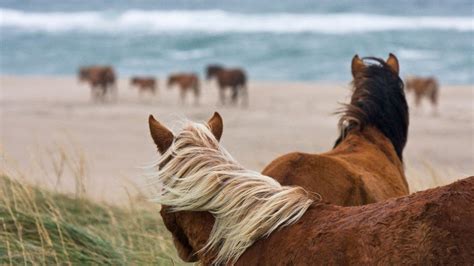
[348,206]
[102,80]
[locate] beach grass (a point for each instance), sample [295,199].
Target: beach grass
[38,226]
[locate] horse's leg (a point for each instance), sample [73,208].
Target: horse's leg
[182,92]
[196,96]
[434,101]
[114,91]
[103,95]
[222,95]
[245,95]
[235,94]
[93,93]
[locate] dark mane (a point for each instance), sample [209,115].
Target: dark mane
[378,100]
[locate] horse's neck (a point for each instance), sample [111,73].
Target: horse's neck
[197,227]
[376,140]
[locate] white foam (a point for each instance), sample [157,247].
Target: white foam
[415,54]
[222,21]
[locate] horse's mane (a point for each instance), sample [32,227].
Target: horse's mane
[197,174]
[378,100]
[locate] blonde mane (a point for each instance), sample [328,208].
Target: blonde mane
[197,174]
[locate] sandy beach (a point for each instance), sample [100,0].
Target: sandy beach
[44,116]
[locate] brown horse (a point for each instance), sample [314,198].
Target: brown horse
[423,88]
[101,79]
[347,175]
[186,82]
[366,165]
[144,84]
[219,212]
[235,79]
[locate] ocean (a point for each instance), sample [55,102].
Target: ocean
[288,40]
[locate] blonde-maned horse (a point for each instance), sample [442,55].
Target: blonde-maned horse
[221,213]
[366,163]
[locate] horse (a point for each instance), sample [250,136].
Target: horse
[366,162]
[423,87]
[221,213]
[186,82]
[234,78]
[144,84]
[101,79]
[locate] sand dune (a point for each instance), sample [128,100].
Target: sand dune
[42,115]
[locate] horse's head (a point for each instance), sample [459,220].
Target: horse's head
[176,221]
[197,177]
[83,74]
[378,100]
[212,70]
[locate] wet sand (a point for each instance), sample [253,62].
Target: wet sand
[42,116]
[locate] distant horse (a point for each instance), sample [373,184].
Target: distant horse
[221,213]
[186,82]
[101,79]
[235,79]
[144,84]
[423,88]
[366,163]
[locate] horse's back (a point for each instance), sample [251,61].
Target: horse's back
[356,172]
[425,228]
[321,174]
[232,77]
[371,156]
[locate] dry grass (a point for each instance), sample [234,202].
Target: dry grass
[40,226]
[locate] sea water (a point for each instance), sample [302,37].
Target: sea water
[293,40]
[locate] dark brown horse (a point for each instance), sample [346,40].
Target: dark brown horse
[366,163]
[144,84]
[423,87]
[101,79]
[186,82]
[234,78]
[259,222]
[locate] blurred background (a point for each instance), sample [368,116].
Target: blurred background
[291,40]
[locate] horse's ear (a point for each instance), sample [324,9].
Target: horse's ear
[357,65]
[161,135]
[392,62]
[216,125]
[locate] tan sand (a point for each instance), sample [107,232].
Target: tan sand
[42,115]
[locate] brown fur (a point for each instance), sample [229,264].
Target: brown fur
[423,87]
[364,167]
[144,84]
[429,227]
[101,79]
[185,82]
[235,79]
